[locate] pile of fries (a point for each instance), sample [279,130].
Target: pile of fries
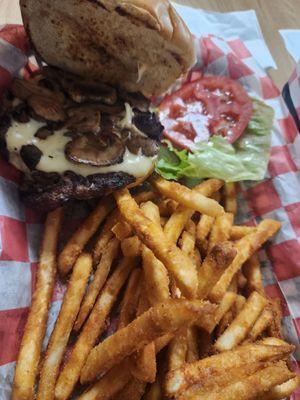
[184,287]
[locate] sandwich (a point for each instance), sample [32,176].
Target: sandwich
[82,125]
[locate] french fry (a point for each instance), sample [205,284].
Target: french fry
[98,282]
[230,202]
[241,280]
[204,227]
[130,300]
[35,328]
[122,230]
[246,247]
[61,333]
[283,391]
[166,207]
[105,236]
[251,387]
[238,305]
[144,196]
[226,320]
[241,325]
[196,257]
[237,232]
[177,351]
[153,237]
[224,306]
[92,329]
[220,231]
[131,247]
[275,328]
[192,344]
[143,365]
[213,267]
[151,211]
[157,321]
[260,325]
[188,198]
[187,243]
[155,391]
[187,375]
[252,272]
[79,239]
[156,277]
[133,390]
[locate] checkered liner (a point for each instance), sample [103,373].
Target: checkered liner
[278,196]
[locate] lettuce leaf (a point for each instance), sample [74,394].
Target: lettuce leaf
[246,159]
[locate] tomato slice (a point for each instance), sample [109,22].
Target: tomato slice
[211,105]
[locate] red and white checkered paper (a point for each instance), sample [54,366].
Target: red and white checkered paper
[294,89]
[278,196]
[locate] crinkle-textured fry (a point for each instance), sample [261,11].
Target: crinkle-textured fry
[105,235]
[35,328]
[283,391]
[230,201]
[122,230]
[98,282]
[260,325]
[178,380]
[237,232]
[63,326]
[246,247]
[92,329]
[251,387]
[156,277]
[252,272]
[153,237]
[189,198]
[213,267]
[131,247]
[130,300]
[177,351]
[243,322]
[220,231]
[79,239]
[157,321]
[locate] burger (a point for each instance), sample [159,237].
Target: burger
[82,125]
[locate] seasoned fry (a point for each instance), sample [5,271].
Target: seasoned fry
[92,329]
[155,391]
[224,306]
[61,333]
[241,280]
[282,391]
[260,325]
[204,227]
[238,232]
[251,387]
[252,272]
[157,321]
[144,196]
[230,201]
[151,211]
[98,282]
[130,299]
[187,243]
[192,344]
[196,256]
[220,231]
[131,247]
[166,207]
[275,328]
[143,364]
[239,328]
[177,351]
[178,380]
[246,247]
[188,198]
[83,234]
[213,267]
[35,328]
[122,230]
[105,236]
[134,390]
[238,305]
[152,235]
[156,277]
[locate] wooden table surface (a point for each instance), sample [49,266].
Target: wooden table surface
[272,15]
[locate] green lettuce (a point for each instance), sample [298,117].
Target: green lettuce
[246,159]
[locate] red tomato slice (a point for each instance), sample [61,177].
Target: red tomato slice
[212,105]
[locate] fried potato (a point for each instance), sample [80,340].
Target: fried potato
[155,391]
[143,364]
[238,304]
[224,306]
[243,322]
[153,237]
[192,344]
[134,390]
[204,227]
[237,232]
[246,247]
[79,239]
[187,243]
[213,267]
[260,325]
[178,380]
[151,211]
[283,391]
[59,338]
[131,247]
[189,198]
[130,300]
[230,201]
[144,196]
[275,328]
[252,272]
[98,282]
[177,351]
[92,329]
[220,231]
[241,280]
[157,321]
[35,328]
[122,230]
[166,207]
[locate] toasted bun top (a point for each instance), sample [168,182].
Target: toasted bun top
[140,45]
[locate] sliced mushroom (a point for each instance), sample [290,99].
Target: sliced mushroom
[136,100]
[47,108]
[30,155]
[23,89]
[83,120]
[21,113]
[44,132]
[148,123]
[92,150]
[149,147]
